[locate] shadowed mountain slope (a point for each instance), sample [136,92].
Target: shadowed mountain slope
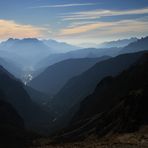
[118,104]
[55,77]
[34,117]
[76,89]
[12,129]
[81,53]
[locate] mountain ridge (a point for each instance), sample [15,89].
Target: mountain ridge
[55,76]
[34,117]
[118,105]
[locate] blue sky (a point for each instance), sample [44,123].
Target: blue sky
[76,22]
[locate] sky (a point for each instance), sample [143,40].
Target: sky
[74,21]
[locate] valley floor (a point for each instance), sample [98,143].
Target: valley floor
[129,140]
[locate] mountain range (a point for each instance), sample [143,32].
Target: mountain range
[117,43]
[55,76]
[71,83]
[139,45]
[118,105]
[21,53]
[71,94]
[114,49]
[27,52]
[84,84]
[80,53]
[109,44]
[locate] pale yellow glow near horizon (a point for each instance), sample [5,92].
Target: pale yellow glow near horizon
[11,29]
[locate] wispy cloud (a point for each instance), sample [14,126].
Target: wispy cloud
[63,5]
[106,29]
[9,28]
[95,14]
[84,28]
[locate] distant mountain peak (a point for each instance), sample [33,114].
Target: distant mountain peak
[119,43]
[30,39]
[9,42]
[11,39]
[139,45]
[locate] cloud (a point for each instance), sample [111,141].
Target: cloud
[9,28]
[105,30]
[95,14]
[63,5]
[84,28]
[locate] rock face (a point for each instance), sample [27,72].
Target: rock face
[119,104]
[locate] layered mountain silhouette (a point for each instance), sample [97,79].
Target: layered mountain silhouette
[76,89]
[118,105]
[80,86]
[55,76]
[25,50]
[139,45]
[81,53]
[97,52]
[29,48]
[85,91]
[34,117]
[21,53]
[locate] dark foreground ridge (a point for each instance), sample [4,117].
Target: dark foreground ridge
[118,105]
